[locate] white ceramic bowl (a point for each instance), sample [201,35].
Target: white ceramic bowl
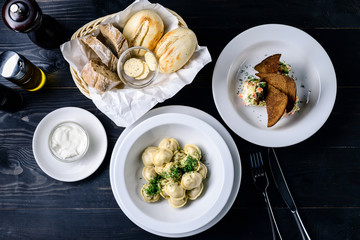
[160,216]
[78,128]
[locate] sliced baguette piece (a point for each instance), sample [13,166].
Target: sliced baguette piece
[114,38]
[98,76]
[104,53]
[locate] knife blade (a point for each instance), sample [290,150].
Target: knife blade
[283,188]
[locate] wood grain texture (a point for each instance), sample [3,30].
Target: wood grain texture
[322,172]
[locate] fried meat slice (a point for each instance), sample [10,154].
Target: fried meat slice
[276,102]
[284,83]
[269,64]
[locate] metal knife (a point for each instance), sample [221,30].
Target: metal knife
[284,191]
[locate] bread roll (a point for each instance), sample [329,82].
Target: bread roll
[104,53]
[175,48]
[144,29]
[114,38]
[98,76]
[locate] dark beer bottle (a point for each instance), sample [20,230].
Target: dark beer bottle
[25,16]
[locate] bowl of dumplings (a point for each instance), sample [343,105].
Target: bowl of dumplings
[173,174]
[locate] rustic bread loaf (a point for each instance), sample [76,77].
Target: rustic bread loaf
[144,29]
[114,38]
[175,49]
[98,76]
[104,53]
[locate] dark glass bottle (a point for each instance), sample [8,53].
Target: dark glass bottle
[10,100]
[25,16]
[20,71]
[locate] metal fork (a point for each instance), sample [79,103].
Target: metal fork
[262,182]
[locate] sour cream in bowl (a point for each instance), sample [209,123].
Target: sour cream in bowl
[68,141]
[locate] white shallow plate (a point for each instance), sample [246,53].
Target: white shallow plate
[311,68]
[78,170]
[160,218]
[217,126]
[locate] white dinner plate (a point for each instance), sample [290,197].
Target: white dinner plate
[82,168]
[311,69]
[229,142]
[160,216]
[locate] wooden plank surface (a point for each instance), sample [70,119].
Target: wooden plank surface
[322,172]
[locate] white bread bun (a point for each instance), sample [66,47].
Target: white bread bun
[144,29]
[98,76]
[175,49]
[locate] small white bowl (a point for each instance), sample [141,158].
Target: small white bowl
[72,158]
[160,216]
[132,81]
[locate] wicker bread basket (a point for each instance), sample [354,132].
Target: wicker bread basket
[89,28]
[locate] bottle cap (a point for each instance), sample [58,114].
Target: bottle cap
[12,65]
[21,15]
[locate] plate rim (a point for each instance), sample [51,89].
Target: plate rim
[280,135]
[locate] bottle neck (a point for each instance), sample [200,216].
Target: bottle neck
[37,23]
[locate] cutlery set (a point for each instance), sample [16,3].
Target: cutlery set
[261,182]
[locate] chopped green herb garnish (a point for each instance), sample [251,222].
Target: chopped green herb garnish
[153,187]
[190,164]
[175,173]
[283,68]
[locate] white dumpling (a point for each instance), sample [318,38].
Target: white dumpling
[170,171]
[193,150]
[169,143]
[202,170]
[162,156]
[174,190]
[179,155]
[162,185]
[159,169]
[191,180]
[148,173]
[147,156]
[195,192]
[190,163]
[177,203]
[149,197]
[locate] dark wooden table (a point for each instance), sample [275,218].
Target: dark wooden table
[322,171]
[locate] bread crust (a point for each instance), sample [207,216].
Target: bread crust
[114,38]
[104,53]
[98,76]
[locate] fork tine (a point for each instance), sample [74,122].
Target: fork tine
[252,161]
[258,161]
[261,160]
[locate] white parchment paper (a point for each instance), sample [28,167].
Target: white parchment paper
[125,106]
